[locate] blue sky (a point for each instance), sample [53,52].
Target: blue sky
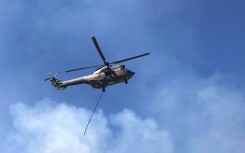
[187,96]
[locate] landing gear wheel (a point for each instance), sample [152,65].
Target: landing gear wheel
[103,89]
[126,81]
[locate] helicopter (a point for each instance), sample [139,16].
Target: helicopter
[105,74]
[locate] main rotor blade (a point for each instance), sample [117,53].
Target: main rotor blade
[130,58]
[98,49]
[82,68]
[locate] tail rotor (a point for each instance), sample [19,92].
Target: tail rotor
[51,76]
[55,82]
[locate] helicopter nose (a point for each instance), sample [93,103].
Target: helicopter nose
[130,73]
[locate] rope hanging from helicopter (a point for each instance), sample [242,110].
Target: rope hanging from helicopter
[93,112]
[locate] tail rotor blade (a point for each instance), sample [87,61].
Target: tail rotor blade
[56,74]
[47,79]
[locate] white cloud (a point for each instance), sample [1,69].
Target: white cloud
[203,115]
[221,120]
[140,135]
[50,127]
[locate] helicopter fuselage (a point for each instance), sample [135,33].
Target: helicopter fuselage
[104,76]
[101,78]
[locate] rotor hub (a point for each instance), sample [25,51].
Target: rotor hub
[107,63]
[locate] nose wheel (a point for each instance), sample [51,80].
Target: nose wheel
[126,81]
[103,89]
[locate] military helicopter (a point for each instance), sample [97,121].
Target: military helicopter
[105,74]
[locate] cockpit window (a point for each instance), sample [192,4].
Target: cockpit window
[102,69]
[125,70]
